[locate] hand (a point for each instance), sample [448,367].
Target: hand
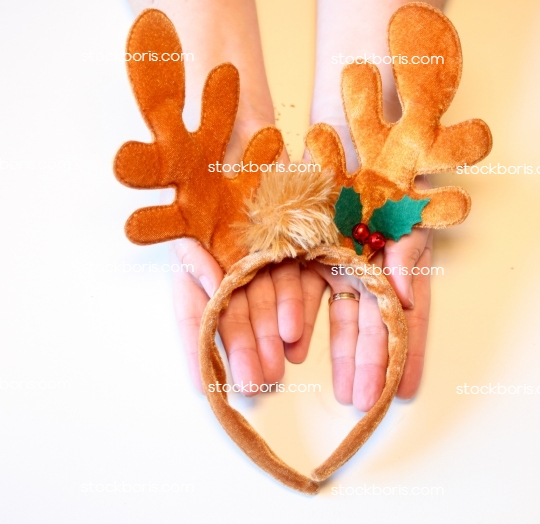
[265,320]
[358,337]
[269,319]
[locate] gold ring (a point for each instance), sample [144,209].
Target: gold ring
[342,296]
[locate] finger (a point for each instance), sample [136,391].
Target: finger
[313,286]
[201,264]
[343,331]
[406,254]
[343,339]
[290,308]
[371,354]
[417,323]
[188,317]
[239,342]
[261,298]
[190,297]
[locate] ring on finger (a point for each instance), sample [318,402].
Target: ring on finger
[342,296]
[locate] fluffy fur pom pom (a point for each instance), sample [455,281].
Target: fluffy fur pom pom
[292,212]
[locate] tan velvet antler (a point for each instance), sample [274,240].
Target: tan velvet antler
[393,154]
[207,203]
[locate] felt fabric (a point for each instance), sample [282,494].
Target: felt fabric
[213,369]
[348,215]
[206,203]
[395,219]
[393,154]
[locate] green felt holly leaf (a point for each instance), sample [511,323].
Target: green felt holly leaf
[348,214]
[395,219]
[357,247]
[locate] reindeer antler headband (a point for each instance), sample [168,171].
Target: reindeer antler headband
[294,215]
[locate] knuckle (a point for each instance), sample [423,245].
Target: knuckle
[373,330]
[290,301]
[286,280]
[263,305]
[344,324]
[370,368]
[309,326]
[184,248]
[342,359]
[191,253]
[416,356]
[191,321]
[310,297]
[268,339]
[235,349]
[417,321]
[412,254]
[286,274]
[235,319]
[409,253]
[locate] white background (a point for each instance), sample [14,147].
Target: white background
[94,388]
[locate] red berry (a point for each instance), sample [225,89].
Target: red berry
[360,233]
[376,241]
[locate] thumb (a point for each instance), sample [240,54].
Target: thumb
[191,290]
[203,266]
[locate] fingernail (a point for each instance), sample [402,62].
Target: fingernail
[207,285]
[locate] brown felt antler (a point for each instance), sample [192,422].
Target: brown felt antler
[207,203]
[393,154]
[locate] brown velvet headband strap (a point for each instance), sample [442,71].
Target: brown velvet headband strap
[238,428]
